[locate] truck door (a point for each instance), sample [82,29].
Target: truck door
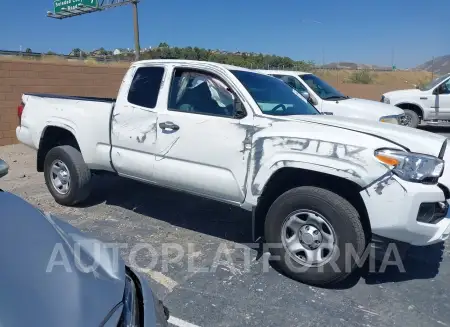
[134,122]
[441,100]
[201,138]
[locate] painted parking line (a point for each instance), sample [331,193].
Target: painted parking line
[180,322]
[160,278]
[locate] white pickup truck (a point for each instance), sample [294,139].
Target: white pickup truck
[330,101]
[430,104]
[321,187]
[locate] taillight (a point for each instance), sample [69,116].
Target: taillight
[20,111]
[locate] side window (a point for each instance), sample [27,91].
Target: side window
[292,82]
[144,88]
[447,87]
[201,93]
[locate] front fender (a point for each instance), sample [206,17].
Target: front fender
[407,102]
[353,163]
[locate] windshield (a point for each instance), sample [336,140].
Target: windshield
[273,96]
[433,83]
[322,89]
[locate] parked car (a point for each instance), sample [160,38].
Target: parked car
[32,294]
[429,104]
[315,183]
[330,101]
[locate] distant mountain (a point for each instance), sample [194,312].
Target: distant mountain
[353,66]
[440,65]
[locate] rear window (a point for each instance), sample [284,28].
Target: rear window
[145,86]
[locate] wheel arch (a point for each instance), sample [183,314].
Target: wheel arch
[52,136]
[412,106]
[287,178]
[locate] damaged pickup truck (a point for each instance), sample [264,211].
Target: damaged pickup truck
[316,184]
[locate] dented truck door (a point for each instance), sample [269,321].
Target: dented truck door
[201,137]
[133,125]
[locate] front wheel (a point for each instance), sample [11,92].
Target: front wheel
[412,119]
[311,232]
[67,176]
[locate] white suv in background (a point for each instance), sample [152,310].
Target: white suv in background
[330,101]
[430,104]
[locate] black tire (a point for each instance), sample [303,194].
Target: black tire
[80,175]
[413,118]
[342,217]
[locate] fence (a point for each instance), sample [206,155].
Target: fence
[128,58]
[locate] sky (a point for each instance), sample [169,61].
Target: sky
[368,31]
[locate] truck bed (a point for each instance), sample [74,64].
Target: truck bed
[71,97]
[86,118]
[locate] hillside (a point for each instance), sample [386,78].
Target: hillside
[440,65]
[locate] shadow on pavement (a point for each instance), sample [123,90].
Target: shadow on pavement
[177,208]
[234,224]
[420,263]
[436,129]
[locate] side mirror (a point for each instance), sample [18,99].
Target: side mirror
[309,97]
[306,95]
[3,168]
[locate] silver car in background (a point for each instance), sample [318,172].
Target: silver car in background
[111,295]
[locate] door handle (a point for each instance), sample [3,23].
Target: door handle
[169,125]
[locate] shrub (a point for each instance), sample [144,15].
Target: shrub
[360,77]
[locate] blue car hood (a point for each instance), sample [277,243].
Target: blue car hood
[42,283]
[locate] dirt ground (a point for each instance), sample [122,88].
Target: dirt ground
[233,295]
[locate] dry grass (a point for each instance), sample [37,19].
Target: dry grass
[396,79]
[63,61]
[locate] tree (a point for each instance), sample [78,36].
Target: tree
[76,52]
[28,50]
[242,58]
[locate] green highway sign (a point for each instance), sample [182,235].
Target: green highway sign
[69,5]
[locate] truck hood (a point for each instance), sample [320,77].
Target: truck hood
[400,93]
[31,291]
[411,139]
[367,109]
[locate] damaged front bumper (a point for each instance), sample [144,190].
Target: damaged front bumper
[395,209]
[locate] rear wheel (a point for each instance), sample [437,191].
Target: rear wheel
[412,119]
[314,235]
[67,176]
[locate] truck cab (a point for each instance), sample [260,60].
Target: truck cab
[330,101]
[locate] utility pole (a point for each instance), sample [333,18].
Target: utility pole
[393,59]
[137,46]
[432,69]
[323,57]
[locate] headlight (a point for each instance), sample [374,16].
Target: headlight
[390,119]
[130,313]
[413,167]
[385,100]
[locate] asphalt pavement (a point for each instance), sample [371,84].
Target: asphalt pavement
[218,280]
